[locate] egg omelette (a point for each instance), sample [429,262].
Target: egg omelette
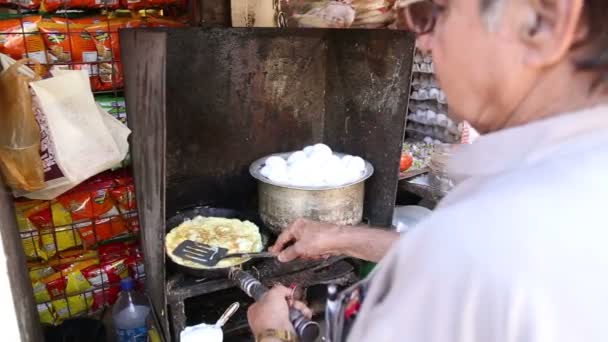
[235,235]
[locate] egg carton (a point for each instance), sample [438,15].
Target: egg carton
[435,132]
[421,57]
[434,94]
[431,118]
[423,68]
[424,81]
[428,105]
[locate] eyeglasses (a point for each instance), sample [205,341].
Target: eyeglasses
[420,15]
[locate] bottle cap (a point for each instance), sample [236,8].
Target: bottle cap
[127,284]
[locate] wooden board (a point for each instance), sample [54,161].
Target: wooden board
[146,107]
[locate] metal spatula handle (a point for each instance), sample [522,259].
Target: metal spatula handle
[249,255]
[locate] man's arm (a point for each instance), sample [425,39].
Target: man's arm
[311,239]
[365,243]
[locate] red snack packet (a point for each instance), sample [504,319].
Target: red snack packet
[103,229]
[87,205]
[124,196]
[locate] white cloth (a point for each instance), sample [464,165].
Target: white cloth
[517,252]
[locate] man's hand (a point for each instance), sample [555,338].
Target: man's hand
[272,311]
[311,240]
[314,240]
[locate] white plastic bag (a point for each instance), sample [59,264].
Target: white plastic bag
[80,139]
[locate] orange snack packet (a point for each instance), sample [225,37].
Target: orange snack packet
[20,38]
[106,38]
[54,5]
[141,4]
[92,20]
[68,43]
[87,205]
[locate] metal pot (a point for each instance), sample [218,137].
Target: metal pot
[280,205]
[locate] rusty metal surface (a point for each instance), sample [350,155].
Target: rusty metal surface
[238,94]
[280,206]
[368,77]
[145,98]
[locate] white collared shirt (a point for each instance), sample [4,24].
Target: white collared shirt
[517,252]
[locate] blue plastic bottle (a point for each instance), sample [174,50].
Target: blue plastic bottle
[130,313]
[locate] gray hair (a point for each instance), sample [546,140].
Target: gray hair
[596,41]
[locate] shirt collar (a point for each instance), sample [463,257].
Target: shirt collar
[527,144]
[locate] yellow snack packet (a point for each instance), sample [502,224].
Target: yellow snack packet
[61,217]
[73,305]
[46,314]
[76,283]
[40,272]
[41,294]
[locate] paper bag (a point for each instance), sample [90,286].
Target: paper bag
[80,140]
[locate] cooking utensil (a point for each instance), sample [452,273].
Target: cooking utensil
[207,255]
[190,213]
[227,314]
[280,205]
[307,330]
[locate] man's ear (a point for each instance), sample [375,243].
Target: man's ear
[549,29]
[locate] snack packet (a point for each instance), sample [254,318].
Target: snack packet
[68,43]
[54,5]
[106,37]
[20,38]
[141,4]
[46,313]
[30,237]
[89,20]
[41,293]
[72,306]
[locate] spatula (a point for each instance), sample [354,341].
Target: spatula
[207,255]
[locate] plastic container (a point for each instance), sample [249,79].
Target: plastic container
[406,217]
[130,314]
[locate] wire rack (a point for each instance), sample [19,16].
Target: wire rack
[82,34]
[81,245]
[76,260]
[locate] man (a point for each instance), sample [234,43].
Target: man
[518,251]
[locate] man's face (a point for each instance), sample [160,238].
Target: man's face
[478,62]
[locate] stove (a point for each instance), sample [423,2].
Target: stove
[205,103]
[184,292]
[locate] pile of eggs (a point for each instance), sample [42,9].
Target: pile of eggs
[314,166]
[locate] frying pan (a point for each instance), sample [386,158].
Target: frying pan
[306,329]
[190,213]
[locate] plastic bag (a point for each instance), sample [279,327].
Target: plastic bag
[20,160]
[65,104]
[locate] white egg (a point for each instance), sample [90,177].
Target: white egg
[265,171]
[350,176]
[294,157]
[279,175]
[334,162]
[357,164]
[308,150]
[323,149]
[275,161]
[346,159]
